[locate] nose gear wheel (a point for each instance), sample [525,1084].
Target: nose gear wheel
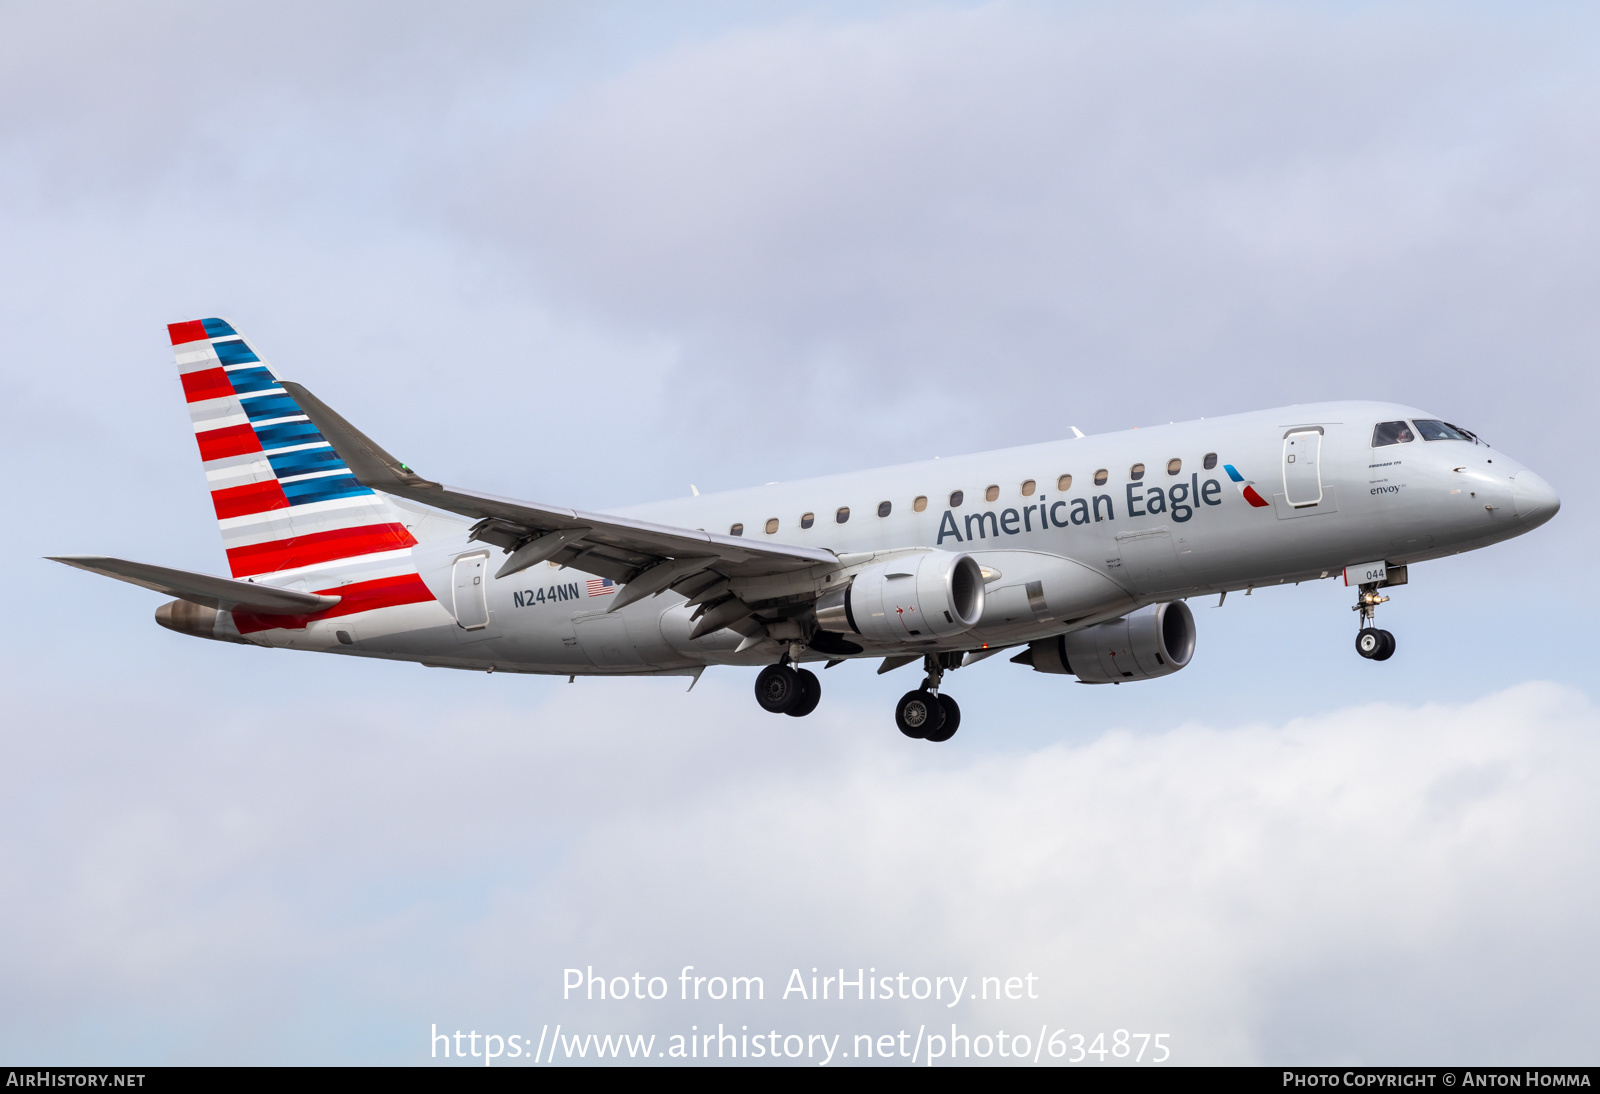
[1374,644]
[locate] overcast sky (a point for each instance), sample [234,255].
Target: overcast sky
[589,254]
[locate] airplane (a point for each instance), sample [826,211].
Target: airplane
[1078,555]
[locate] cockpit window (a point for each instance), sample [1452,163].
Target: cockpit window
[1387,433]
[1432,430]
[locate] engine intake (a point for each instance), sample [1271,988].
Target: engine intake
[930,594]
[1151,642]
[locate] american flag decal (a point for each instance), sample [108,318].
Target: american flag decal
[601,586]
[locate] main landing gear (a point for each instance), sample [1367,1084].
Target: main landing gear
[925,714]
[1372,643]
[784,689]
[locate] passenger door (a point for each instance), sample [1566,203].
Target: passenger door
[1302,474]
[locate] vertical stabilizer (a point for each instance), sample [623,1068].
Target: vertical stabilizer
[285,502]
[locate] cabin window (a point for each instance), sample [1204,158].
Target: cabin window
[920,504]
[956,498]
[1432,430]
[1387,433]
[1064,483]
[1174,466]
[1210,462]
[885,508]
[1028,487]
[991,494]
[808,520]
[736,530]
[842,515]
[772,526]
[1101,476]
[1136,472]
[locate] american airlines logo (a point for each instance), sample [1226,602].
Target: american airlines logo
[1247,487]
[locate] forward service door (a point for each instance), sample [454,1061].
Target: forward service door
[472,605]
[1302,471]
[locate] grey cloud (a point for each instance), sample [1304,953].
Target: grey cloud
[1052,210]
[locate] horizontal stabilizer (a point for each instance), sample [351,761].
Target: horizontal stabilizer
[213,592]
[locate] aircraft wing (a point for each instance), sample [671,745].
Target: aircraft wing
[221,593]
[598,543]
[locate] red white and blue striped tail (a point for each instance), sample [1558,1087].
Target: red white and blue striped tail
[284,499]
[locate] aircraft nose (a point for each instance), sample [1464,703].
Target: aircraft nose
[1536,500]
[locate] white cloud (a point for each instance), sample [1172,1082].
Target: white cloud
[1380,884]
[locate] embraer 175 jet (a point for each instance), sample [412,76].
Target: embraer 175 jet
[1077,554]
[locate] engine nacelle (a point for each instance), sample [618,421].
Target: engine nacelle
[929,594]
[1151,642]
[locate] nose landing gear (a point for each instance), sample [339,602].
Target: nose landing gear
[1372,643]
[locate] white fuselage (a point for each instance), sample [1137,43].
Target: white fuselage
[1060,558]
